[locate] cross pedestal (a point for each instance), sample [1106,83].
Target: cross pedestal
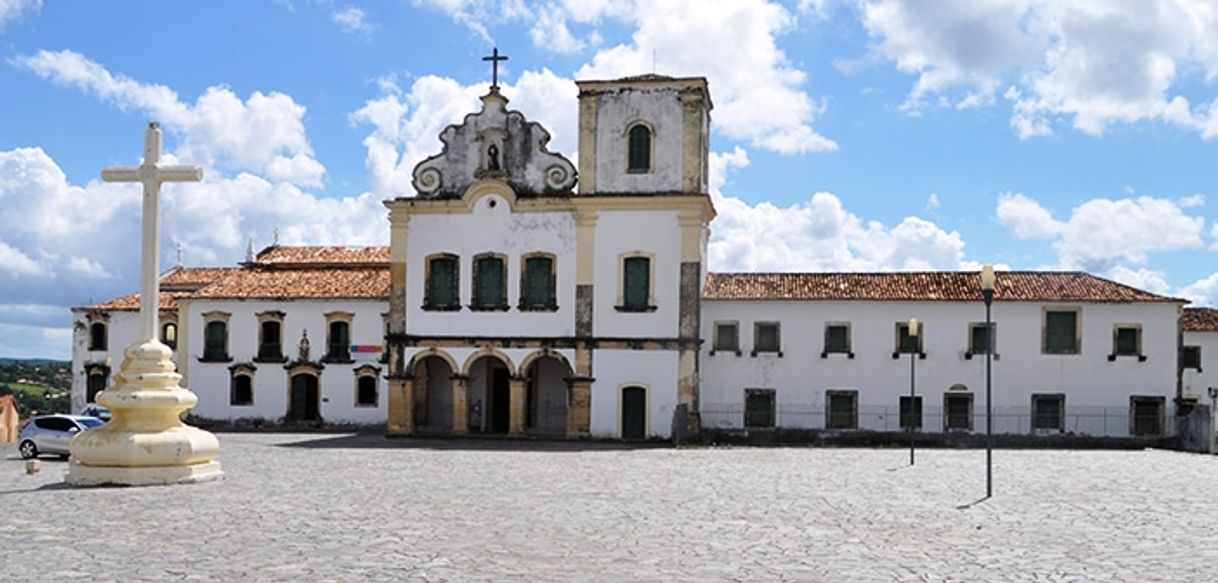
[145,441]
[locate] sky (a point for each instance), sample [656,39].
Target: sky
[847,135]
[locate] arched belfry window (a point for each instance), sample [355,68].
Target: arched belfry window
[97,336]
[638,149]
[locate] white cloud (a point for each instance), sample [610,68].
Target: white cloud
[352,20]
[1102,234]
[1214,236]
[27,341]
[1202,292]
[1194,201]
[17,263]
[1147,279]
[1025,218]
[87,267]
[932,202]
[13,10]
[1092,62]
[265,133]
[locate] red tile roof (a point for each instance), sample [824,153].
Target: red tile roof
[176,283]
[1199,320]
[301,284]
[952,286]
[282,256]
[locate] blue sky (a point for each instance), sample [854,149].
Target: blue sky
[847,134]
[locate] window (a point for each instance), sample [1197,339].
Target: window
[958,411]
[766,338]
[727,337]
[98,378]
[365,391]
[837,340]
[1126,341]
[169,335]
[97,336]
[270,336]
[1048,412]
[537,286]
[759,408]
[639,149]
[1061,332]
[911,417]
[241,389]
[978,339]
[339,341]
[1146,415]
[215,340]
[841,409]
[636,284]
[907,344]
[442,291]
[490,286]
[1190,357]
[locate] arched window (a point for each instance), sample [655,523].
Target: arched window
[442,292]
[169,335]
[97,336]
[490,285]
[270,346]
[537,283]
[241,392]
[639,149]
[365,391]
[215,341]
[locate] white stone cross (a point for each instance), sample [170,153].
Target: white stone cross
[152,175]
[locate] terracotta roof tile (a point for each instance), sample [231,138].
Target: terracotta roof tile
[284,256]
[957,286]
[176,283]
[322,283]
[1199,320]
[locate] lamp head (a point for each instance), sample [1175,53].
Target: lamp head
[913,326]
[988,279]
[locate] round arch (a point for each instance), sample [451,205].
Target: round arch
[491,352]
[422,355]
[544,353]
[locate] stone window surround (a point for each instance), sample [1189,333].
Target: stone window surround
[167,319]
[217,316]
[1078,329]
[97,369]
[921,347]
[714,341]
[97,318]
[502,306]
[1137,328]
[427,261]
[651,146]
[954,393]
[552,305]
[773,412]
[777,337]
[271,316]
[1061,412]
[971,351]
[621,281]
[1183,361]
[240,370]
[853,394]
[1159,401]
[849,352]
[362,372]
[331,318]
[646,406]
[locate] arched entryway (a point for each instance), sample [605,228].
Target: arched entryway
[304,398]
[490,397]
[433,394]
[546,395]
[633,412]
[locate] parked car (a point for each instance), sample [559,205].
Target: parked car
[51,434]
[95,410]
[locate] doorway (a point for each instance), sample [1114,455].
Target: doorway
[304,397]
[634,413]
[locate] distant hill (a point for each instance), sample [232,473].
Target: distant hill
[34,361]
[41,385]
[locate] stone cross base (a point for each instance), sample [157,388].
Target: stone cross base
[82,475]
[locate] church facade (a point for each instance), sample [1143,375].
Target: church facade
[526,294]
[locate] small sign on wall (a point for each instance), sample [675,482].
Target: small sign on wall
[366,351]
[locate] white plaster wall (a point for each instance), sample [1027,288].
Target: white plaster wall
[655,370]
[1097,391]
[661,109]
[122,329]
[654,232]
[1197,383]
[210,380]
[491,229]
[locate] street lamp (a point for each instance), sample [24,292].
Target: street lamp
[987,293]
[913,368]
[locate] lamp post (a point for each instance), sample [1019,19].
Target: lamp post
[913,369]
[987,293]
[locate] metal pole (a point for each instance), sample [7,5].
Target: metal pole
[989,400]
[913,367]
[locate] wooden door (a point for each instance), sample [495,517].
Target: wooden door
[634,413]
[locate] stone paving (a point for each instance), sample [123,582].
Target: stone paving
[341,508]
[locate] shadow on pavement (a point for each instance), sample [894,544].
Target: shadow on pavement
[374,441]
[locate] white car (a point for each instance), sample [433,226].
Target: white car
[51,434]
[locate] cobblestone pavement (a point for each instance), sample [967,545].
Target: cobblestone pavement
[340,508]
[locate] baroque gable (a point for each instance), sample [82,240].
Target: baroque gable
[494,143]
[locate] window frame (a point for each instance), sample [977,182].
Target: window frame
[971,349]
[551,302]
[1184,358]
[826,350]
[832,394]
[920,346]
[333,318]
[716,347]
[750,417]
[1061,413]
[621,282]
[98,342]
[429,302]
[757,349]
[954,395]
[241,371]
[1116,342]
[501,303]
[1077,349]
[367,372]
[651,149]
[275,317]
[902,415]
[166,326]
[1160,421]
[217,317]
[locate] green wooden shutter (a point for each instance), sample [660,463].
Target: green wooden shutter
[340,341]
[1060,332]
[637,284]
[640,149]
[442,283]
[538,291]
[725,337]
[490,283]
[213,347]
